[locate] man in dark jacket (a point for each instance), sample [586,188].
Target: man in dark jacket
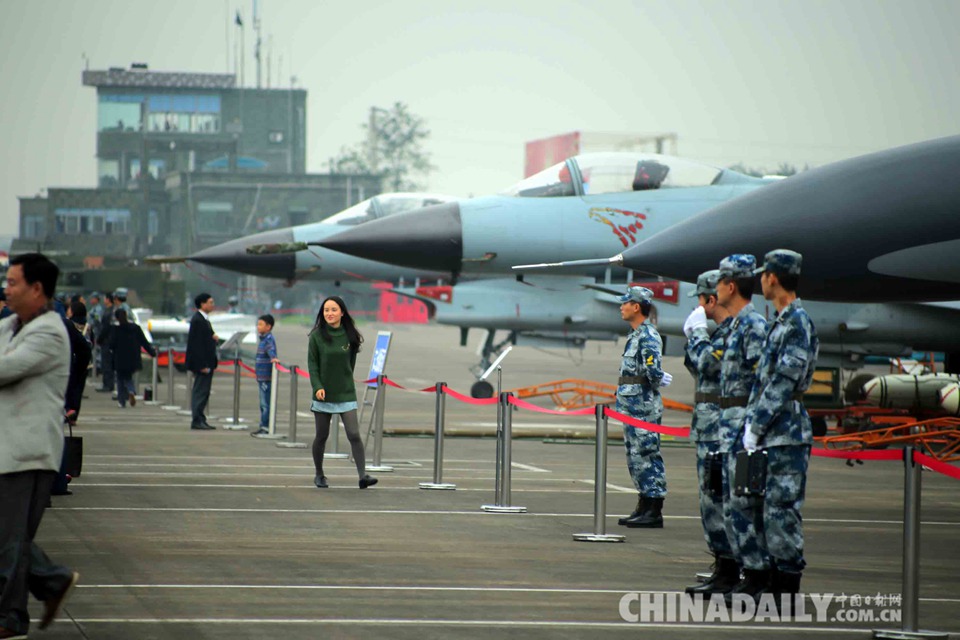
[201,359]
[126,340]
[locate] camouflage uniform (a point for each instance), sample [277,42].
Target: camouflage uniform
[781,424]
[641,357]
[742,516]
[703,355]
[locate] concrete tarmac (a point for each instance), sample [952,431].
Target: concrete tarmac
[193,534]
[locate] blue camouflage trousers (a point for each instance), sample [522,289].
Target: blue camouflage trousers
[711,506]
[644,461]
[769,530]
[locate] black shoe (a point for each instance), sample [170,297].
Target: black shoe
[65,492]
[754,584]
[641,507]
[785,586]
[201,427]
[104,390]
[321,482]
[207,425]
[367,481]
[725,576]
[652,518]
[51,606]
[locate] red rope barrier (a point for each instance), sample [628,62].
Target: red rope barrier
[886,454]
[462,398]
[523,404]
[940,467]
[680,432]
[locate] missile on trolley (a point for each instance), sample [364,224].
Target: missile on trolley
[903,391]
[949,397]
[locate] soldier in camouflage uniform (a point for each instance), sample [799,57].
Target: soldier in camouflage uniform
[742,516]
[777,420]
[638,396]
[704,352]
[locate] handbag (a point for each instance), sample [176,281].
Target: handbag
[72,454]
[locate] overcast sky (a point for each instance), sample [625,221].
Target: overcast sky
[759,82]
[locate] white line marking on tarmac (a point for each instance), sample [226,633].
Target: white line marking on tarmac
[615,487]
[529,467]
[699,628]
[308,487]
[439,512]
[337,587]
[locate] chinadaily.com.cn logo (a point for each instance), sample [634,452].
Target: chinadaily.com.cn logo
[810,607]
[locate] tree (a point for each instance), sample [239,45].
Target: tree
[393,147]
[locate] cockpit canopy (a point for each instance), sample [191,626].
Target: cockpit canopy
[598,173]
[385,205]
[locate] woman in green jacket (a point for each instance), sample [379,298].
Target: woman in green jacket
[331,358]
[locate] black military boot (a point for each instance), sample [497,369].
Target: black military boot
[651,518]
[754,584]
[641,507]
[786,585]
[726,575]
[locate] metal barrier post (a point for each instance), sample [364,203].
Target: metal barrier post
[235,423]
[170,406]
[498,464]
[292,430]
[600,488]
[504,498]
[336,454]
[438,482]
[378,406]
[271,433]
[911,556]
[154,383]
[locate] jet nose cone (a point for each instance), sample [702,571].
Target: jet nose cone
[430,238]
[233,256]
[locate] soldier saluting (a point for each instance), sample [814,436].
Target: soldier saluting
[638,396]
[777,420]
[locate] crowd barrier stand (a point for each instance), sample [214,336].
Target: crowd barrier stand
[291,442]
[379,404]
[438,427]
[600,487]
[154,383]
[505,446]
[236,422]
[171,383]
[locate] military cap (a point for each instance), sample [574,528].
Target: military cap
[781,261]
[706,284]
[637,294]
[121,293]
[738,265]
[94,294]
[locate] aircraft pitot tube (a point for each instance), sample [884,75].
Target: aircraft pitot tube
[904,391]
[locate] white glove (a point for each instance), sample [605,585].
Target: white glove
[696,320]
[666,379]
[749,438]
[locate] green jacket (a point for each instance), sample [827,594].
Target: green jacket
[331,366]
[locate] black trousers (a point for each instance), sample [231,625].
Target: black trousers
[200,396]
[23,565]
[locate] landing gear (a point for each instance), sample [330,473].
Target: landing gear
[488,352]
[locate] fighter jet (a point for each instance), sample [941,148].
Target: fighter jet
[566,311]
[879,227]
[283,252]
[588,206]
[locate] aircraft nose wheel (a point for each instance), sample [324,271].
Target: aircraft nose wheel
[481,389]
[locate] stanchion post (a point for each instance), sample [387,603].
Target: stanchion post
[154,382]
[600,487]
[503,504]
[335,428]
[171,381]
[236,422]
[291,442]
[910,613]
[438,426]
[498,464]
[379,404]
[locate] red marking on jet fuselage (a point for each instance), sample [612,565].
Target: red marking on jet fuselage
[626,232]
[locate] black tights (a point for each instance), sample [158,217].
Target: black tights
[351,426]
